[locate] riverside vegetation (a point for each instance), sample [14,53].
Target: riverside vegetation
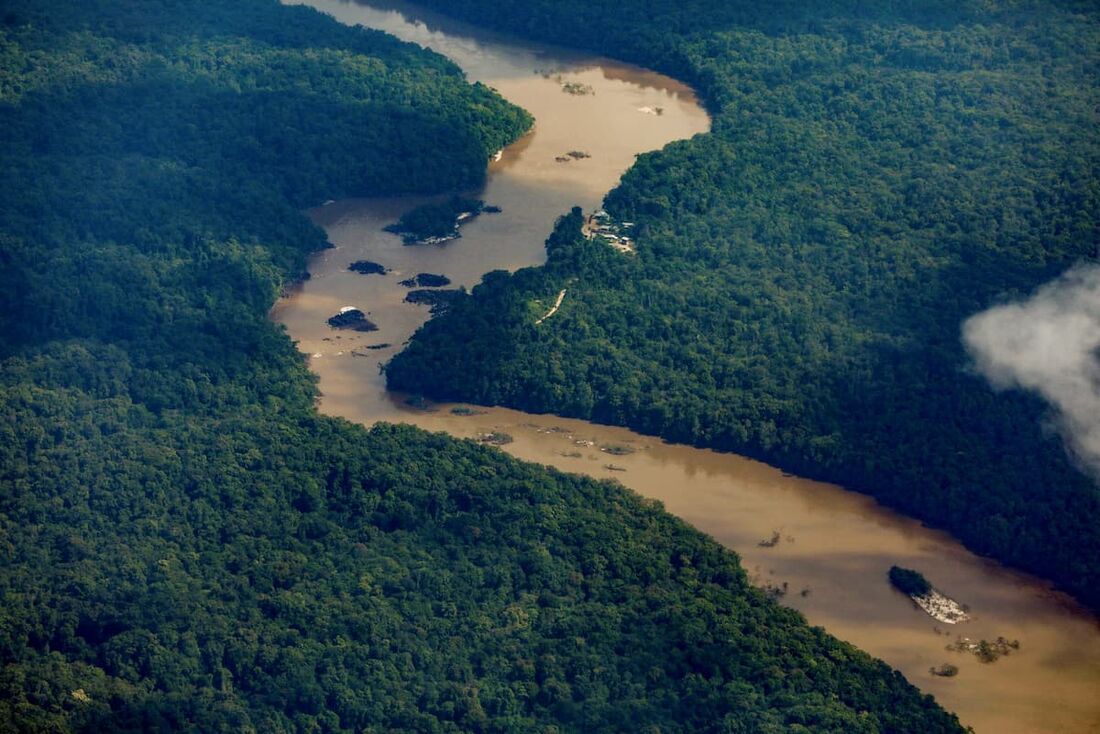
[876,173]
[188,546]
[435,223]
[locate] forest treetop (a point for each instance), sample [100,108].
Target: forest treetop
[876,173]
[187,545]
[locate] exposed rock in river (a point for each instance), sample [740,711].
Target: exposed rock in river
[368,267]
[431,224]
[936,605]
[362,352]
[426,280]
[353,319]
[941,608]
[439,300]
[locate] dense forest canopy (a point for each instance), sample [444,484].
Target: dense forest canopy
[186,545]
[877,172]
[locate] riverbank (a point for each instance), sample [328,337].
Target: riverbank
[838,540]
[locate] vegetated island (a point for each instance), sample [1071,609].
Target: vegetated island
[184,534]
[577,89]
[495,438]
[352,319]
[440,299]
[426,280]
[573,155]
[946,670]
[368,267]
[434,224]
[986,651]
[800,302]
[936,605]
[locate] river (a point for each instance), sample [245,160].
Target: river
[833,548]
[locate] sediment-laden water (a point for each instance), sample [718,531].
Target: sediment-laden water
[819,548]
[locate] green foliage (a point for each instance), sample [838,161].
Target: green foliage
[908,581]
[186,545]
[197,135]
[250,570]
[876,173]
[439,220]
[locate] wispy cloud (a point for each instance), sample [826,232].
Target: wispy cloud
[1049,343]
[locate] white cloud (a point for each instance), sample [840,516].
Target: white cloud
[1049,343]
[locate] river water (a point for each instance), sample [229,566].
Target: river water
[834,547]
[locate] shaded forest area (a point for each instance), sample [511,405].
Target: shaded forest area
[876,173]
[186,545]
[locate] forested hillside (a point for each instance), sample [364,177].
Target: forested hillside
[877,172]
[186,545]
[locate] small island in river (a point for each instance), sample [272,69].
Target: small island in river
[573,155]
[353,319]
[439,300]
[433,224]
[917,587]
[426,280]
[368,267]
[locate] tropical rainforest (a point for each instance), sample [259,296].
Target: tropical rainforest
[876,173]
[187,545]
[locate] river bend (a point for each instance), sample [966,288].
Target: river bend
[825,550]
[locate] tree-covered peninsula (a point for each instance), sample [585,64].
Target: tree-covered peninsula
[876,173]
[186,545]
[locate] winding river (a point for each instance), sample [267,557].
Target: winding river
[821,549]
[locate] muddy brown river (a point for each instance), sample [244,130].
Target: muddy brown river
[822,550]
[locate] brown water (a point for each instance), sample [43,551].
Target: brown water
[834,546]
